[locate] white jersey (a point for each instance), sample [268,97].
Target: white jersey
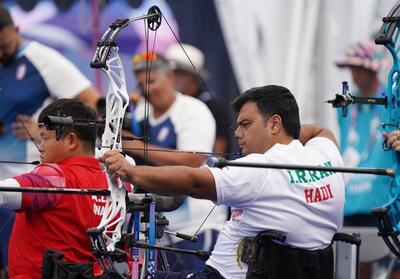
[306,205]
[38,75]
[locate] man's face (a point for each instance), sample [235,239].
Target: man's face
[9,42]
[252,130]
[52,150]
[159,85]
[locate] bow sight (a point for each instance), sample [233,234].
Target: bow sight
[345,100]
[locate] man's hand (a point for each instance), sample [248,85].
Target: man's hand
[117,166]
[25,124]
[393,140]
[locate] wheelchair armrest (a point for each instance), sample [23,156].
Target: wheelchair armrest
[348,238]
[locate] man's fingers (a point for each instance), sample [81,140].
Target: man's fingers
[115,175]
[116,164]
[395,144]
[393,139]
[108,157]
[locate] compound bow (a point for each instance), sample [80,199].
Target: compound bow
[108,232]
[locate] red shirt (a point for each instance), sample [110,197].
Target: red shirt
[54,220]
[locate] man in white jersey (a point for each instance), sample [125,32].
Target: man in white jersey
[306,205]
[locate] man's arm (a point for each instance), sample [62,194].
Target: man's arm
[310,131]
[169,181]
[164,156]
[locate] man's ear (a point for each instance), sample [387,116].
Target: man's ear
[275,123]
[72,141]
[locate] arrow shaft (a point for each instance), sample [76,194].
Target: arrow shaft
[56,190]
[375,171]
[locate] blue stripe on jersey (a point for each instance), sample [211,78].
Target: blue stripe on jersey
[23,91]
[162,134]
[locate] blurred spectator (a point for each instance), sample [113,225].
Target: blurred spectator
[30,74]
[188,82]
[180,122]
[361,139]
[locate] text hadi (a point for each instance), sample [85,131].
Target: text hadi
[318,194]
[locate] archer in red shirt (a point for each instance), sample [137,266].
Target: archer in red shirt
[56,221]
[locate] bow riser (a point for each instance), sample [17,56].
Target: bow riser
[116,104]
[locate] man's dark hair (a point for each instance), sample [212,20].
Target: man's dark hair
[77,110]
[270,100]
[5,17]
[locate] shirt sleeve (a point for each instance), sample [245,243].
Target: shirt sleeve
[239,186]
[63,79]
[196,131]
[43,176]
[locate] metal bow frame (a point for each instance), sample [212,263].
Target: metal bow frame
[108,233]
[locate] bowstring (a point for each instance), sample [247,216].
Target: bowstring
[146,116]
[198,75]
[204,84]
[147,105]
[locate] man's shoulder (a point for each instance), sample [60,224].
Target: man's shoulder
[185,100]
[318,141]
[190,105]
[43,175]
[49,170]
[254,158]
[326,148]
[35,50]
